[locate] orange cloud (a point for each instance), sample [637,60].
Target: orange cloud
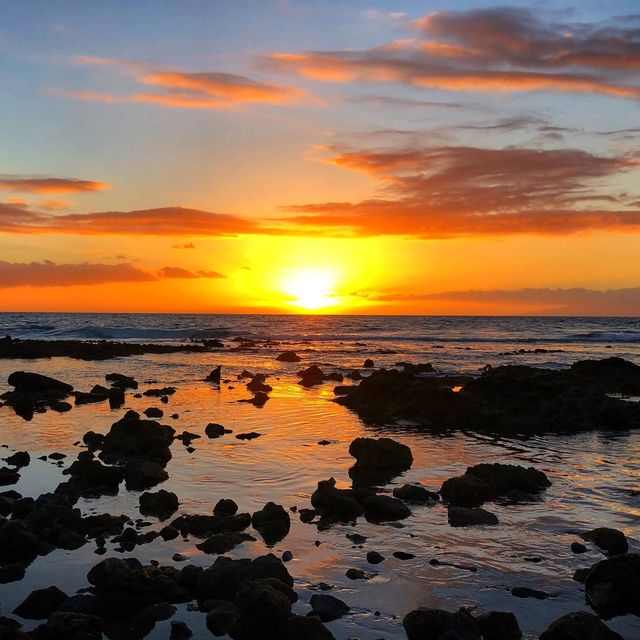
[54,204]
[188,90]
[503,49]
[49,185]
[51,274]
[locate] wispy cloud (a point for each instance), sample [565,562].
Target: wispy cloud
[182,89]
[48,185]
[499,49]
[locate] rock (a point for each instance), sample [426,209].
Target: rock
[41,603]
[169,533]
[338,504]
[11,573]
[373,557]
[144,475]
[436,624]
[612,586]
[287,556]
[17,542]
[224,542]
[57,455]
[272,522]
[328,608]
[180,631]
[415,493]
[161,504]
[153,412]
[121,381]
[303,628]
[214,430]
[611,541]
[37,383]
[19,459]
[98,393]
[215,375]
[356,574]
[8,476]
[248,436]
[368,364]
[158,393]
[91,477]
[578,547]
[311,376]
[60,406]
[93,440]
[485,482]
[259,399]
[225,507]
[526,592]
[579,625]
[403,555]
[380,453]
[221,616]
[465,516]
[289,356]
[379,508]
[499,625]
[262,609]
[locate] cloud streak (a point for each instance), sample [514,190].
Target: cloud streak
[500,49]
[51,274]
[46,185]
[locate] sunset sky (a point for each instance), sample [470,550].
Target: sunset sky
[329,156]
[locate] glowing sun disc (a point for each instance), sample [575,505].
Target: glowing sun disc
[310,289]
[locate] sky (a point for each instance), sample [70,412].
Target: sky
[320,156]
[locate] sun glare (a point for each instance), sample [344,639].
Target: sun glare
[310,289]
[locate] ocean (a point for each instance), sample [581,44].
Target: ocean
[595,475]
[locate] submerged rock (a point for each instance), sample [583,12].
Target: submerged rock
[466,516]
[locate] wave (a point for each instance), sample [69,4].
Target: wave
[97,332]
[609,336]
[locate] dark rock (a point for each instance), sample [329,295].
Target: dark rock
[225,507]
[612,586]
[356,574]
[311,376]
[160,504]
[436,624]
[373,557]
[288,356]
[578,547]
[61,406]
[65,625]
[338,504]
[215,375]
[144,475]
[379,508]
[41,603]
[466,516]
[8,476]
[93,440]
[262,609]
[180,631]
[272,522]
[224,542]
[498,625]
[222,615]
[153,412]
[611,541]
[328,608]
[403,555]
[526,592]
[121,381]
[415,493]
[378,460]
[368,364]
[287,556]
[252,435]
[19,459]
[303,628]
[579,625]
[11,573]
[216,430]
[259,399]
[37,383]
[158,393]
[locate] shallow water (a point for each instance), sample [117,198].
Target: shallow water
[591,474]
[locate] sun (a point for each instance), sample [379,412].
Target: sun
[310,289]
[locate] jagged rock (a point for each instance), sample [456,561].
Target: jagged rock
[466,516]
[215,375]
[336,503]
[579,625]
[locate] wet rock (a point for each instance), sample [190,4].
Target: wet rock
[37,383]
[98,393]
[499,625]
[17,542]
[579,625]
[11,573]
[303,628]
[356,574]
[8,476]
[289,356]
[526,592]
[221,616]
[180,631]
[203,526]
[224,542]
[484,482]
[324,443]
[259,399]
[252,435]
[578,547]
[63,625]
[225,507]
[214,430]
[257,384]
[328,608]
[139,439]
[41,603]
[338,504]
[215,375]
[121,381]
[158,393]
[612,586]
[373,557]
[57,455]
[469,516]
[19,459]
[161,504]
[272,522]
[403,555]
[611,541]
[436,624]
[93,440]
[415,493]
[379,508]
[368,364]
[91,477]
[287,556]
[61,406]
[153,412]
[311,376]
[262,609]
[169,533]
[144,475]
[378,460]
